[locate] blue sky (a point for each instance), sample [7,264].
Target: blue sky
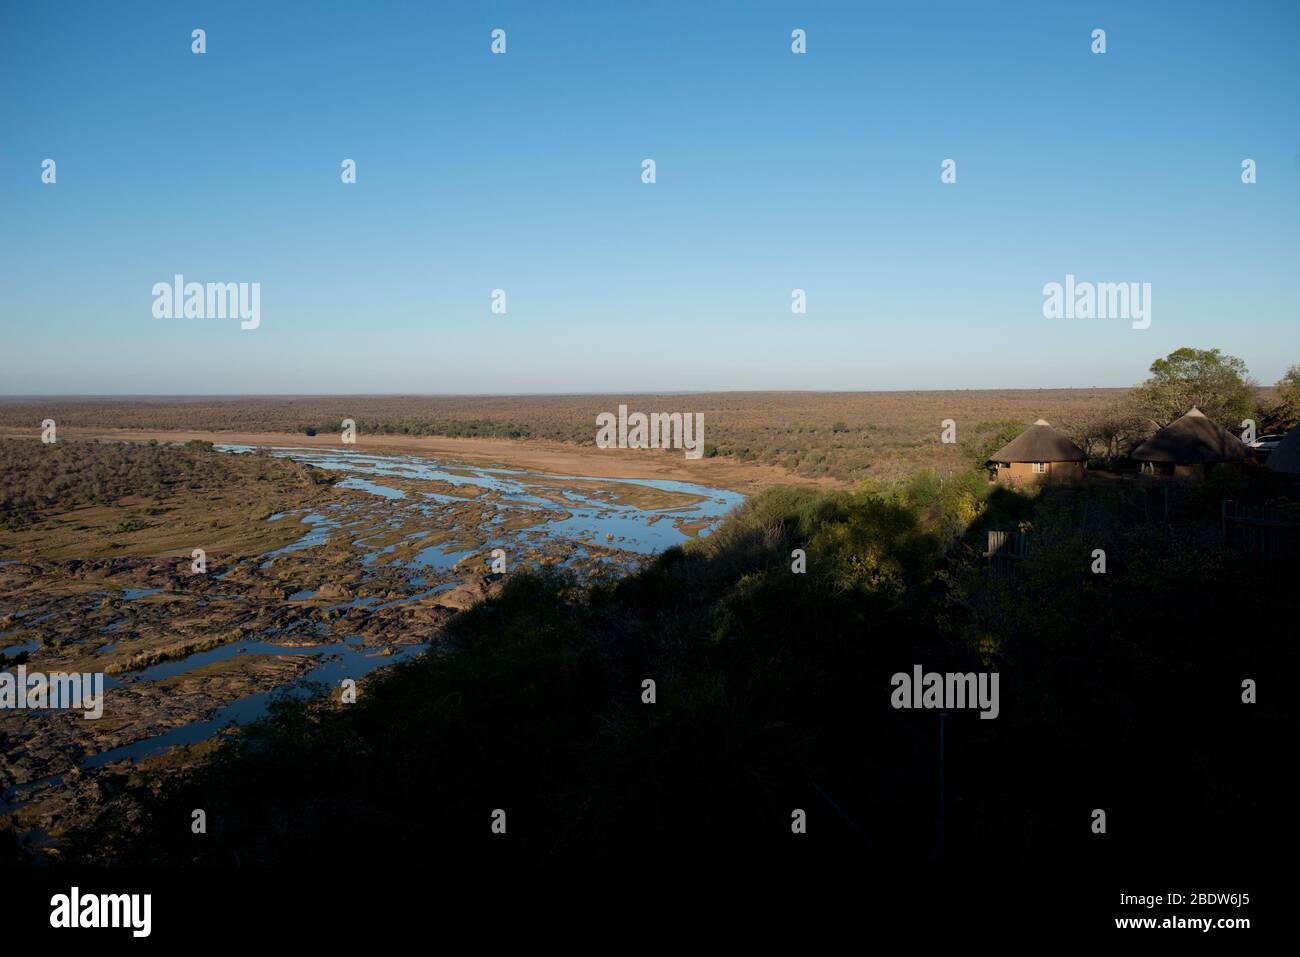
[522,172]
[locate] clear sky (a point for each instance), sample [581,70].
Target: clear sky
[523,172]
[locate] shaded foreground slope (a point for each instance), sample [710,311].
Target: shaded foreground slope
[1119,691]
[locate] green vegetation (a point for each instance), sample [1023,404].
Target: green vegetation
[1287,411]
[454,428]
[848,436]
[1219,385]
[991,436]
[38,480]
[1118,690]
[1215,383]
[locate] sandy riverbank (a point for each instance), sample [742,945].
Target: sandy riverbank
[552,457]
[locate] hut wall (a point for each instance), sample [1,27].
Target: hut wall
[1182,470]
[1067,471]
[1022,473]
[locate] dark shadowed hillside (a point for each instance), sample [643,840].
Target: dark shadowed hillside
[1119,691]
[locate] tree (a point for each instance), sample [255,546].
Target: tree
[1111,433]
[991,436]
[1288,393]
[1215,383]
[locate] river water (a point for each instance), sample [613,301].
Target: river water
[588,512]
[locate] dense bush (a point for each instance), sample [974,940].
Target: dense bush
[38,479]
[1118,690]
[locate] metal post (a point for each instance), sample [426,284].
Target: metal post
[942,719]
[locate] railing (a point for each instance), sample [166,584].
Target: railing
[1268,535]
[1007,545]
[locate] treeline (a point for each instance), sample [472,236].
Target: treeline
[1119,690]
[848,436]
[836,434]
[454,428]
[1218,384]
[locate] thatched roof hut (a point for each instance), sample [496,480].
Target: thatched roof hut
[1039,443]
[1286,457]
[1038,454]
[1190,444]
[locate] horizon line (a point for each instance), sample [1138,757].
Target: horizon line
[16,397]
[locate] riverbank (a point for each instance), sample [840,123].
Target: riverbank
[551,457]
[319,565]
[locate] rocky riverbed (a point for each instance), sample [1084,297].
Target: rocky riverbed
[301,585]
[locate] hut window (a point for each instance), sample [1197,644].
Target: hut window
[1040,467]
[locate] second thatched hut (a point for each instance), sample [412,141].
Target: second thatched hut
[1190,446]
[1286,457]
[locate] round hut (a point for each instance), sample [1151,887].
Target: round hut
[1040,454]
[1190,446]
[1286,457]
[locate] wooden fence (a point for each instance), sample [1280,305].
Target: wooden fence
[1268,535]
[1006,550]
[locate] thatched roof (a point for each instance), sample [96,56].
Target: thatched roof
[1193,440]
[1039,443]
[1286,457]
